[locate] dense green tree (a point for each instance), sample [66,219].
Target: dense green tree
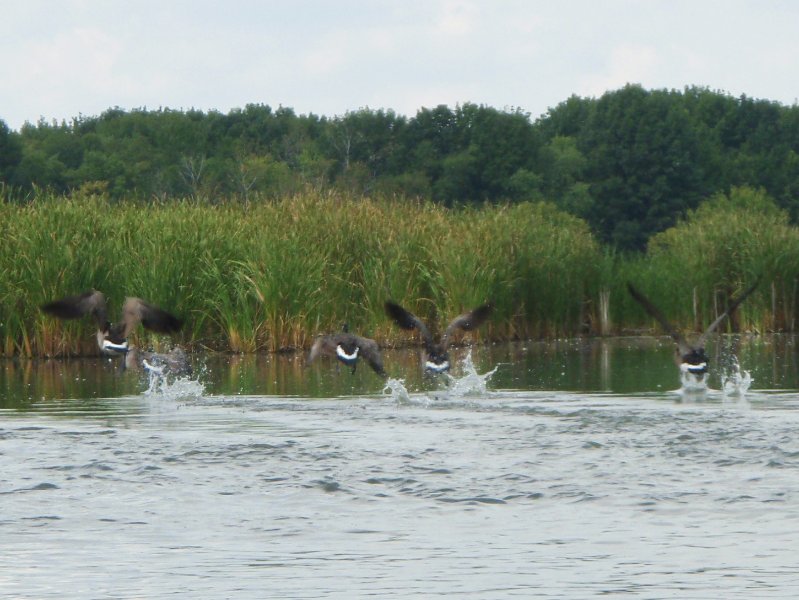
[563,169]
[502,142]
[631,162]
[365,136]
[38,169]
[470,153]
[10,151]
[645,166]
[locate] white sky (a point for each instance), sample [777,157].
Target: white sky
[64,58]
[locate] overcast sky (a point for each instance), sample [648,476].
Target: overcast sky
[60,59]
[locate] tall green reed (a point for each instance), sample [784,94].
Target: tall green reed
[268,275]
[721,248]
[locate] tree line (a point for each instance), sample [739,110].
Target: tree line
[630,163]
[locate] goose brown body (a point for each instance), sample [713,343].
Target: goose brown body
[112,338]
[347,348]
[437,350]
[690,357]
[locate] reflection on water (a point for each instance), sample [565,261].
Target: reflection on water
[619,365]
[568,469]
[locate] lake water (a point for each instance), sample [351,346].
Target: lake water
[568,469]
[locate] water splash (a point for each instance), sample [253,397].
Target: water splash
[691,383]
[735,382]
[471,383]
[173,388]
[397,390]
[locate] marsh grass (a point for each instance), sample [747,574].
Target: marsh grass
[268,276]
[720,249]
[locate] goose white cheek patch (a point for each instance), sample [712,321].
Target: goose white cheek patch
[695,369]
[437,368]
[342,354]
[112,347]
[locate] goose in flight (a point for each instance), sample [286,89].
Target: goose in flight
[690,357]
[112,338]
[348,348]
[437,355]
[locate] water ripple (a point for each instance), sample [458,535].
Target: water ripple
[567,494]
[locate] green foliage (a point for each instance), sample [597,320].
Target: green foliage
[719,250]
[643,165]
[10,152]
[648,157]
[632,162]
[265,276]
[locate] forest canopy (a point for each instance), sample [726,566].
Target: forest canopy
[631,163]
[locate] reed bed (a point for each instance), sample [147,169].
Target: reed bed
[268,276]
[728,243]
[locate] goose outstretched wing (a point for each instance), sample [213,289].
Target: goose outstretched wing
[467,321]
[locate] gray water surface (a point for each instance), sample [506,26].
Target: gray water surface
[576,469]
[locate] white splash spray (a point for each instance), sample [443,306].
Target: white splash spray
[397,390]
[735,382]
[163,386]
[471,383]
[692,383]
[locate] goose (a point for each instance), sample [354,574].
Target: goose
[112,338]
[437,356]
[348,348]
[691,358]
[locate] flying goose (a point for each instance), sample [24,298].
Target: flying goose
[348,348]
[437,356]
[112,338]
[691,358]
